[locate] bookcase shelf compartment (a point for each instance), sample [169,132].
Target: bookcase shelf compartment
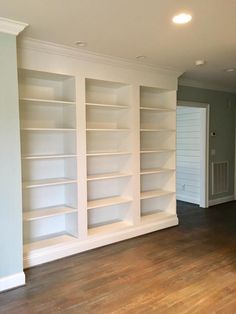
[159,206]
[49,165]
[109,219]
[46,86]
[48,212]
[157,160]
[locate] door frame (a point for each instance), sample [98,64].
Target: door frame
[204,149]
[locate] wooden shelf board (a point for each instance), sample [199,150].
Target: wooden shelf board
[157,109]
[108,176]
[155,216]
[50,241]
[91,154]
[157,130]
[47,101]
[154,170]
[106,106]
[49,129]
[109,201]
[48,212]
[28,157]
[154,193]
[150,151]
[111,226]
[47,182]
[108,130]
[150,212]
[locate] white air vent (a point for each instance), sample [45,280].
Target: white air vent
[220,177]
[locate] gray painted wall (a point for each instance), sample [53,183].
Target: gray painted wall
[10,173]
[222,121]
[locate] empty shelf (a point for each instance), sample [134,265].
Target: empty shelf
[155,216]
[106,106]
[154,193]
[109,201]
[47,182]
[48,212]
[91,154]
[157,109]
[50,241]
[111,226]
[157,130]
[154,170]
[49,129]
[103,176]
[48,156]
[47,101]
[108,130]
[150,151]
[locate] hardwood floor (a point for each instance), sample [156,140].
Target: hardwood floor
[186,269]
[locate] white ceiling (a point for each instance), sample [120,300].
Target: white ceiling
[127,28]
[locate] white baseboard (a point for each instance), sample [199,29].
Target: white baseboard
[13,281]
[188,199]
[221,200]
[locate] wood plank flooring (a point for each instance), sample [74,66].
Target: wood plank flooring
[186,269]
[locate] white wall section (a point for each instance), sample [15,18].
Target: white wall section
[189,154]
[11,252]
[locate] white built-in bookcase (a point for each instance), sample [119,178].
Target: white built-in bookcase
[98,162]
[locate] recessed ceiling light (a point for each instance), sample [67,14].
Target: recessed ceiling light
[182,18]
[140,57]
[230,70]
[80,43]
[200,62]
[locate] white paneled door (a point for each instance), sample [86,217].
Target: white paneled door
[191,161]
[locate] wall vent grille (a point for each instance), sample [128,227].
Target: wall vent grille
[220,177]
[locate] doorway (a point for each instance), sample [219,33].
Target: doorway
[192,125]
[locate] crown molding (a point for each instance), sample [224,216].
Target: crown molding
[11,27]
[85,55]
[206,85]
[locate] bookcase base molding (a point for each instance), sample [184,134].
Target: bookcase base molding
[66,245]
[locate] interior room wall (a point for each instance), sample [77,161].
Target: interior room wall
[11,260]
[222,122]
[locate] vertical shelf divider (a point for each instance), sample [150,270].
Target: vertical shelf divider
[135,139]
[81,158]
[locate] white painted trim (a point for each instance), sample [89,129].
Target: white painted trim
[207,155]
[235,160]
[12,281]
[89,56]
[205,85]
[11,27]
[204,193]
[60,251]
[221,200]
[188,199]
